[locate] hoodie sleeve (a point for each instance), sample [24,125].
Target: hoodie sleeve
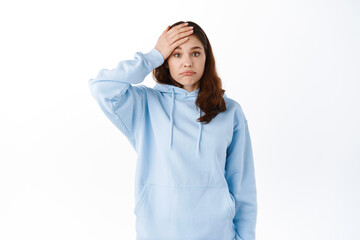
[123,103]
[240,176]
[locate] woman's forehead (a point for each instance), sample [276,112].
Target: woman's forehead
[191,44]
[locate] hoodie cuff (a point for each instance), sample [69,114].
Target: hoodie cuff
[155,58]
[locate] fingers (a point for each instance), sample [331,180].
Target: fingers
[177,29]
[181,36]
[167,28]
[179,42]
[173,37]
[180,33]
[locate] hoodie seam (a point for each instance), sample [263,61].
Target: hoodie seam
[114,103]
[129,133]
[143,93]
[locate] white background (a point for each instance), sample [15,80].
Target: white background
[67,173]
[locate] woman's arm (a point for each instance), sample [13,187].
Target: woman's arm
[123,103]
[240,176]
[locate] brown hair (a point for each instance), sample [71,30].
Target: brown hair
[210,97]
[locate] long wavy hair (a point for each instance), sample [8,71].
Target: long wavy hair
[210,97]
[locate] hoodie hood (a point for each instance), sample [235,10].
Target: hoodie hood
[180,93]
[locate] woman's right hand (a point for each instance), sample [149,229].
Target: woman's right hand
[170,39]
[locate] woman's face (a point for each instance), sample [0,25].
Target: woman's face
[189,56]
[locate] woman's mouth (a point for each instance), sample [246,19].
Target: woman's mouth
[188,73]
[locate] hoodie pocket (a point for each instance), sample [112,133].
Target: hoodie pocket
[194,212]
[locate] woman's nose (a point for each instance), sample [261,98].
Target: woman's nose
[187,61]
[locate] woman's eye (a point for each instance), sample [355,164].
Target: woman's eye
[194,53]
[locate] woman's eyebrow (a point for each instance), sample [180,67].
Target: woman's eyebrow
[196,47]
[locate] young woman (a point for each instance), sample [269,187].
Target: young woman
[195,177]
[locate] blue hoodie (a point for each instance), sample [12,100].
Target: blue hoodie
[193,181]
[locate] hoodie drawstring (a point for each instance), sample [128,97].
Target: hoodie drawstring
[171,125]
